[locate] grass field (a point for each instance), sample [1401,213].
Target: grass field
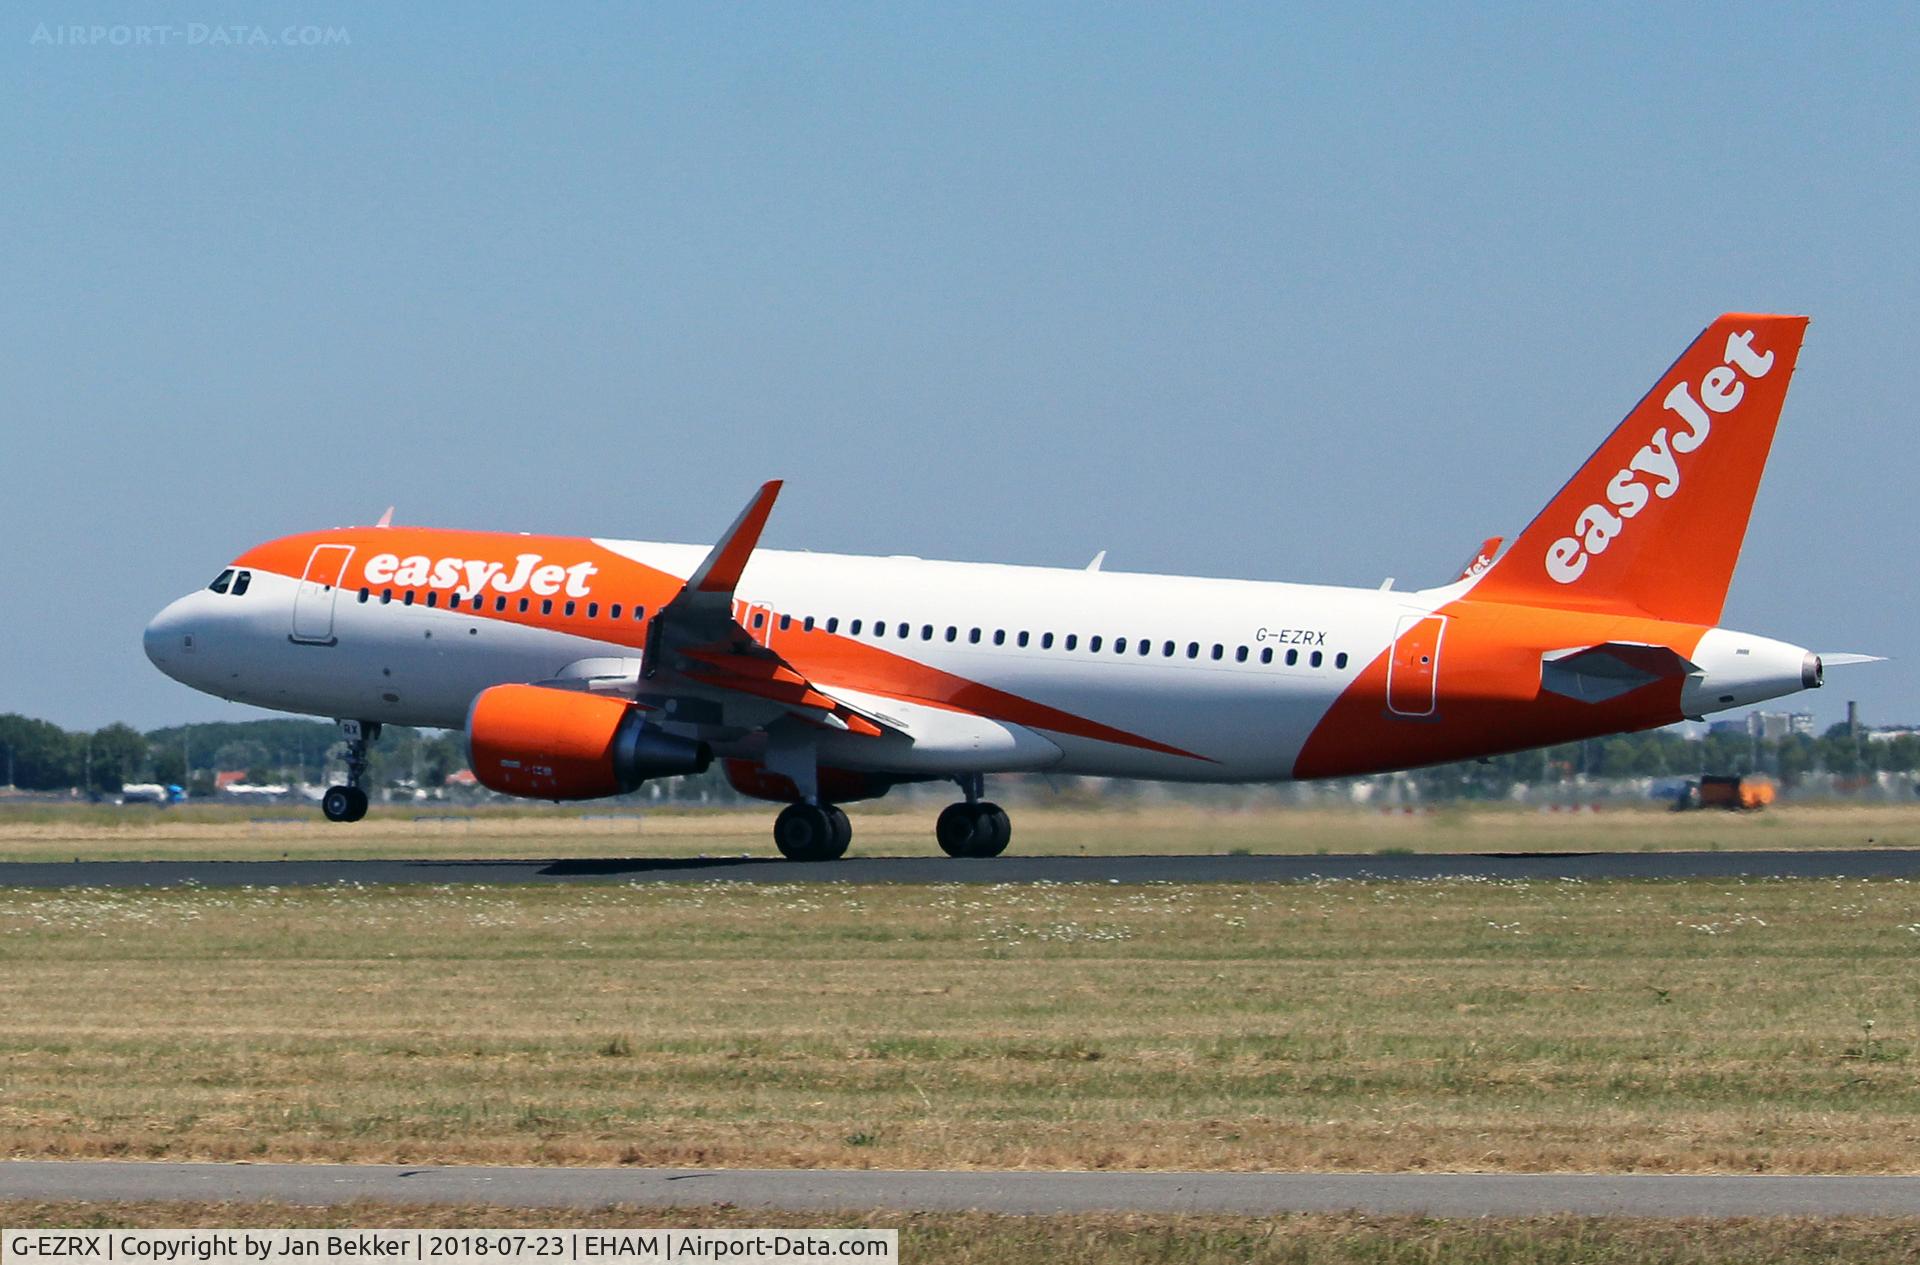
[1759,1027]
[905,828]
[981,1239]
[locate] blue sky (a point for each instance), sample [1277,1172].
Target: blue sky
[1294,293]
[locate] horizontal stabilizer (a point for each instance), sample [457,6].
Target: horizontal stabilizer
[1595,674]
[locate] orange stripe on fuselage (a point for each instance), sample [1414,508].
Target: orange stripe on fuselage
[828,658]
[1489,696]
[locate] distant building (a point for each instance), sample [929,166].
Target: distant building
[1769,726]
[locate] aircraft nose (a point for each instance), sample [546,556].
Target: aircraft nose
[169,637]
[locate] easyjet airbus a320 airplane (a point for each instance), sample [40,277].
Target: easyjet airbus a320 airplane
[580,667]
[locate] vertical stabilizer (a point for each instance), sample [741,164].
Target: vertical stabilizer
[1652,523]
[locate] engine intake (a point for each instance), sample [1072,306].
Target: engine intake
[543,743]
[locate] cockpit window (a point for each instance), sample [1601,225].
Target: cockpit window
[221,581]
[241,581]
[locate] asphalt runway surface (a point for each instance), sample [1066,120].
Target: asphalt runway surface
[800,1190]
[1836,863]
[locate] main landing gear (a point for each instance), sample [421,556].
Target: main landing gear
[821,832]
[974,828]
[349,802]
[812,832]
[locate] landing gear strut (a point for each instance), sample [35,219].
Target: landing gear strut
[974,828]
[812,832]
[349,802]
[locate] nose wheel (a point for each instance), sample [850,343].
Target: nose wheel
[349,802]
[976,829]
[344,803]
[812,832]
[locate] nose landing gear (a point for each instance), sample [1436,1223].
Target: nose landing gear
[349,802]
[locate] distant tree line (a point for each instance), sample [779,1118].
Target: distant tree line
[40,756]
[37,755]
[1661,753]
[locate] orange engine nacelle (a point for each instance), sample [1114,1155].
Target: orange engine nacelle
[543,743]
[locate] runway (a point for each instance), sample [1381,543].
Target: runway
[1879,863]
[795,1190]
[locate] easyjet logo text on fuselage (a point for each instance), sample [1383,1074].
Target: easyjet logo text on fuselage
[1721,390]
[529,571]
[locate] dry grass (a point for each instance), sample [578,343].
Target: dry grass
[1763,1027]
[905,828]
[1121,1239]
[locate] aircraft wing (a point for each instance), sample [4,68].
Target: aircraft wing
[1481,559]
[704,665]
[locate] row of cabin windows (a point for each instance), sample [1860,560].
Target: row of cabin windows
[1143,647]
[478,602]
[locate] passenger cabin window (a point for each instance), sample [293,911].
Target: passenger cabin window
[500,605]
[221,581]
[242,580]
[1266,654]
[999,636]
[1193,650]
[973,637]
[1240,655]
[569,610]
[613,612]
[406,599]
[853,629]
[1293,657]
[639,612]
[1119,645]
[1317,658]
[1073,639]
[1022,639]
[525,603]
[833,623]
[1166,648]
[433,598]
[593,610]
[546,606]
[364,595]
[386,596]
[905,631]
[1340,660]
[806,625]
[953,634]
[926,632]
[1218,651]
[1046,641]
[786,623]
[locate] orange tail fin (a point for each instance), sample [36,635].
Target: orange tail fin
[1652,523]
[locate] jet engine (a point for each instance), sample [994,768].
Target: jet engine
[543,743]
